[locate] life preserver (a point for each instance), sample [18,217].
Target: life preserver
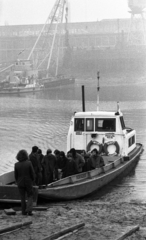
[107,144]
[93,142]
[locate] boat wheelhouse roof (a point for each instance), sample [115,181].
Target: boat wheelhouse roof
[97,114]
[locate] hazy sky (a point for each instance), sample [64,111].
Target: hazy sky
[15,12]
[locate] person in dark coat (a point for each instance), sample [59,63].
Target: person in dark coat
[88,163]
[63,162]
[50,166]
[33,157]
[70,167]
[24,177]
[78,158]
[96,160]
[58,160]
[40,157]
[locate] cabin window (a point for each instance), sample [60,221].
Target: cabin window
[89,124]
[79,124]
[131,141]
[122,122]
[105,125]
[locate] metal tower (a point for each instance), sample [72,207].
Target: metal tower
[49,38]
[137,29]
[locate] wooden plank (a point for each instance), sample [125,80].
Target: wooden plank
[10,211]
[40,208]
[128,233]
[14,227]
[10,201]
[64,232]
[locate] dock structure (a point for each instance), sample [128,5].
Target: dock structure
[102,43]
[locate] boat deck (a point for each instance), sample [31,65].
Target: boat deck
[112,163]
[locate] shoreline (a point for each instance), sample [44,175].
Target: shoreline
[103,220]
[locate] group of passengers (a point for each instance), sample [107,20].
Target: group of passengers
[38,169]
[57,165]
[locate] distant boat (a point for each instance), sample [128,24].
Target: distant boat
[32,88]
[43,60]
[28,88]
[17,84]
[58,81]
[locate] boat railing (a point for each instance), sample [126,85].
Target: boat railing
[117,162]
[109,167]
[103,133]
[87,175]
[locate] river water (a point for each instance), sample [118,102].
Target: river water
[43,119]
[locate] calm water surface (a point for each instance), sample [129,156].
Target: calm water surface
[43,119]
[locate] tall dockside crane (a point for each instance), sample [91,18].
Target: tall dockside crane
[49,39]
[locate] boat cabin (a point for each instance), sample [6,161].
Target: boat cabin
[25,67]
[105,131]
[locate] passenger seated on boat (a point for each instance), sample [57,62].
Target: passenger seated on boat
[96,160]
[79,160]
[70,167]
[88,164]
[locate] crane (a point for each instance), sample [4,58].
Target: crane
[47,43]
[42,50]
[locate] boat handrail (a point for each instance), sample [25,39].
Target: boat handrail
[87,175]
[101,133]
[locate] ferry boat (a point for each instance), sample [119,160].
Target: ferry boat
[105,131]
[116,143]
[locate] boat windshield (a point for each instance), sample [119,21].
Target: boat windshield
[79,124]
[95,125]
[105,125]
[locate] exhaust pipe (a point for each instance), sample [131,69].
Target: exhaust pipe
[83,98]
